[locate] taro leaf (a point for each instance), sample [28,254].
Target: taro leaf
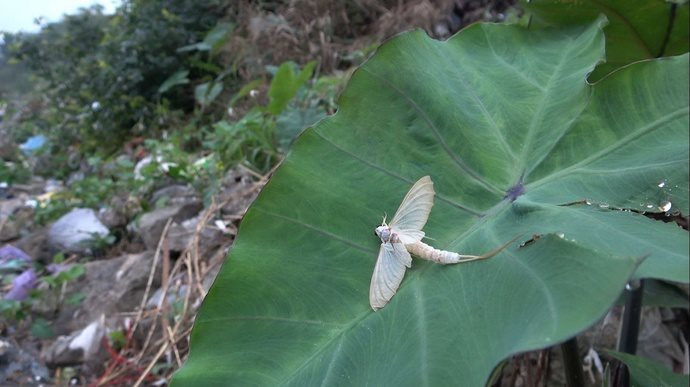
[491,106]
[285,84]
[647,373]
[206,92]
[178,78]
[213,40]
[643,30]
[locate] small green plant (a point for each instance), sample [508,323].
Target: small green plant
[111,178]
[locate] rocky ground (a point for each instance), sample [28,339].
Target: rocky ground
[132,306]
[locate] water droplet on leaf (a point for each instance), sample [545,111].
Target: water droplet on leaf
[665,207]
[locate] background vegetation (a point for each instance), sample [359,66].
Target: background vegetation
[187,91]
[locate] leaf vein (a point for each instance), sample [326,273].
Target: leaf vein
[614,146]
[402,178]
[457,159]
[316,229]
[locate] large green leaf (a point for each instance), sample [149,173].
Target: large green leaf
[641,30]
[647,373]
[492,107]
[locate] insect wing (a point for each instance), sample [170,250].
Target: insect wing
[388,273]
[414,211]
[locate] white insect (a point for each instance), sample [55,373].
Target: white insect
[404,236]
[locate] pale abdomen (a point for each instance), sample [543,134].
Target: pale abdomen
[424,251]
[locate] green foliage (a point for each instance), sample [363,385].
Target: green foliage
[517,143]
[286,81]
[20,310]
[114,177]
[213,41]
[178,78]
[252,138]
[207,92]
[647,373]
[103,75]
[10,308]
[118,339]
[72,273]
[14,172]
[649,29]
[41,329]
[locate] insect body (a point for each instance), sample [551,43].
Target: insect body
[404,236]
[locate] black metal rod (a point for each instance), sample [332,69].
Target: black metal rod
[630,328]
[574,376]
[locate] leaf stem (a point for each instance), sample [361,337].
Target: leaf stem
[574,376]
[630,327]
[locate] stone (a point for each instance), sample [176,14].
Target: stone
[76,348]
[210,237]
[118,212]
[152,223]
[19,367]
[238,192]
[8,206]
[111,286]
[75,230]
[9,226]
[175,194]
[35,244]
[172,295]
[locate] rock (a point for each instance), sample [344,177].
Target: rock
[77,347]
[210,237]
[119,211]
[111,218]
[18,367]
[8,149]
[36,186]
[35,245]
[175,194]
[9,229]
[74,230]
[111,286]
[238,192]
[172,295]
[8,206]
[152,223]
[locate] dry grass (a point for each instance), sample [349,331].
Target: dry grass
[327,31]
[159,337]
